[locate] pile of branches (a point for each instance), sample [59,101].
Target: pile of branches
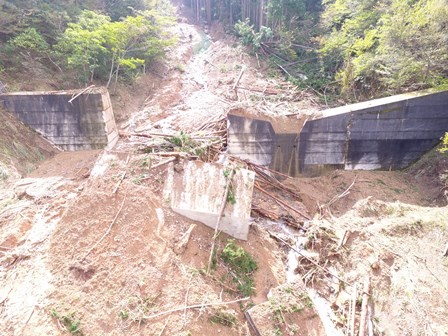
[267,178]
[206,143]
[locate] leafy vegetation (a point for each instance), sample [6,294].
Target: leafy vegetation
[231,197]
[359,49]
[379,47]
[96,40]
[69,321]
[223,317]
[444,147]
[241,265]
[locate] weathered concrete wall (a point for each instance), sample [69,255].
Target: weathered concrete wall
[388,133]
[197,190]
[85,123]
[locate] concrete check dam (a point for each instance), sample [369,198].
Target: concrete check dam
[72,120]
[386,134]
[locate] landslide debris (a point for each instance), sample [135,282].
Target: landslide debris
[21,148]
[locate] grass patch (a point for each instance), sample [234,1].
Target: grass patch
[68,321]
[224,318]
[241,266]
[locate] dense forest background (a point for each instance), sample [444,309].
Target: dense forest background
[354,49]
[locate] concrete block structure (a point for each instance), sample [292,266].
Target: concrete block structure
[196,192]
[388,133]
[72,120]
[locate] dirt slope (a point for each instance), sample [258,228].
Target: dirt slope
[89,247]
[21,148]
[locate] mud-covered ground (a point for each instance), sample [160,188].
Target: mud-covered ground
[88,243]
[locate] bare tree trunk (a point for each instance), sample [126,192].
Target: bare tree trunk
[208,7]
[230,13]
[111,70]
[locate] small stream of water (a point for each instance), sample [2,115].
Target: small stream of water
[321,305]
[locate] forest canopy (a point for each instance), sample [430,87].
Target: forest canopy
[354,49]
[95,40]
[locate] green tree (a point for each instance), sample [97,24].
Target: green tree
[118,9]
[378,47]
[83,43]
[30,40]
[101,48]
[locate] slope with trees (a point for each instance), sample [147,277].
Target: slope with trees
[90,40]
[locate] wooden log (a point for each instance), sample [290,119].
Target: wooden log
[252,327]
[279,201]
[145,135]
[445,253]
[267,91]
[80,93]
[352,316]
[201,305]
[365,302]
[343,240]
[239,78]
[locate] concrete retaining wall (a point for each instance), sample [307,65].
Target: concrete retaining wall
[85,123]
[388,133]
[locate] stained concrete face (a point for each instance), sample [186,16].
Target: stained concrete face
[87,122]
[196,192]
[388,133]
[266,142]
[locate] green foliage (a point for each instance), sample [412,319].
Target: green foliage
[69,321]
[118,9]
[184,143]
[241,265]
[100,48]
[30,39]
[83,43]
[225,318]
[249,36]
[231,197]
[381,46]
[236,257]
[444,147]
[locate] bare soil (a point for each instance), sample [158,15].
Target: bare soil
[88,234]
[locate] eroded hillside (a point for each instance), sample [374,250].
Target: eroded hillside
[89,246]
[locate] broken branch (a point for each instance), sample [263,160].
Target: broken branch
[122,176]
[353,311]
[281,202]
[80,93]
[239,78]
[193,307]
[310,260]
[251,324]
[164,162]
[221,211]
